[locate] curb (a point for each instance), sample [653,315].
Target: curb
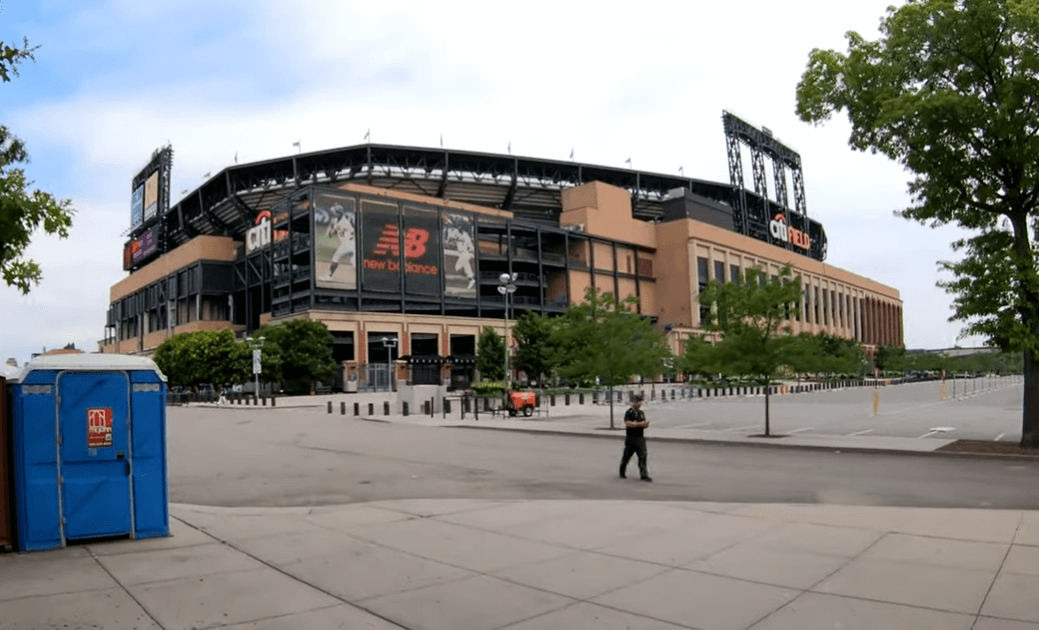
[769,444]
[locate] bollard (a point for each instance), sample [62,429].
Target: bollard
[580,399]
[330,406]
[432,407]
[567,398]
[386,408]
[342,408]
[876,401]
[404,408]
[371,409]
[447,407]
[263,399]
[273,401]
[357,409]
[425,407]
[552,400]
[595,398]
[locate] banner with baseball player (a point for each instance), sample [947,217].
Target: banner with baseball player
[335,235]
[459,255]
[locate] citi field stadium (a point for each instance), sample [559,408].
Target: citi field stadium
[416,278]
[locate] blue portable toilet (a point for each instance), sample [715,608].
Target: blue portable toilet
[89,449]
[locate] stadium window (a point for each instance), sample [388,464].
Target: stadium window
[805,301]
[734,273]
[826,307]
[833,307]
[703,277]
[840,309]
[719,271]
[815,306]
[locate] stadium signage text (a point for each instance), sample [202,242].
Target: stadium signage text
[388,245]
[780,231]
[259,235]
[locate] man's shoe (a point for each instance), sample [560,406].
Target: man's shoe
[623,476]
[647,479]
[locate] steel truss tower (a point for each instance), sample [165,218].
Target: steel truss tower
[751,215]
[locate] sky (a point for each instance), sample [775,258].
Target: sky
[114,80]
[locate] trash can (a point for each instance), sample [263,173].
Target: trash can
[6,541]
[88,436]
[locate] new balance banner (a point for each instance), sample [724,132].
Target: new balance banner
[335,236]
[459,256]
[381,247]
[421,252]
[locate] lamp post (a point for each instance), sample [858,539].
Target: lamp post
[256,344]
[390,343]
[507,286]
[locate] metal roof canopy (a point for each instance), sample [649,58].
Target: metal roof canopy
[531,188]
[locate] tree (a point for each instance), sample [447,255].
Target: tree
[303,352]
[754,343]
[22,211]
[205,356]
[949,92]
[490,355]
[829,354]
[890,358]
[603,338]
[536,354]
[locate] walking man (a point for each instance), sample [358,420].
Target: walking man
[635,442]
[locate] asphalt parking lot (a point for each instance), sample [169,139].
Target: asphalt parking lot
[982,409]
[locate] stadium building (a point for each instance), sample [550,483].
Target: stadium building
[399,251]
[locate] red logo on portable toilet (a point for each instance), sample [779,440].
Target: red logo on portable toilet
[99,427]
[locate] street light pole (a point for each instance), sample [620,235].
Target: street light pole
[506,286]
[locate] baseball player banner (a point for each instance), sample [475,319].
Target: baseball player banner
[421,252]
[459,256]
[335,235]
[380,246]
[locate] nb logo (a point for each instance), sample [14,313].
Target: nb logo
[415,240]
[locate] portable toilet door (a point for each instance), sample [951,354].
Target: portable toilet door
[96,462]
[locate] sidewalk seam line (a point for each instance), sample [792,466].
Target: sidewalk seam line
[823,579]
[1006,555]
[126,590]
[297,579]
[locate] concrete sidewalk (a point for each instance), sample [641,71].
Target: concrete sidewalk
[526,565]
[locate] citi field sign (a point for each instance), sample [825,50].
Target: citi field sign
[260,234]
[780,231]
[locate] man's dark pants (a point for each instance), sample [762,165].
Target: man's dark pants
[635,446]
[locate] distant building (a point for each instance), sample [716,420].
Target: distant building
[955,351]
[69,349]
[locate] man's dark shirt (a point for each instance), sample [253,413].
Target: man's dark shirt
[631,415]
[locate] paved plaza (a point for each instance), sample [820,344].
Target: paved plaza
[543,565]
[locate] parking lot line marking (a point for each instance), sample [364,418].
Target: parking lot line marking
[691,426]
[928,434]
[999,437]
[799,430]
[860,433]
[753,426]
